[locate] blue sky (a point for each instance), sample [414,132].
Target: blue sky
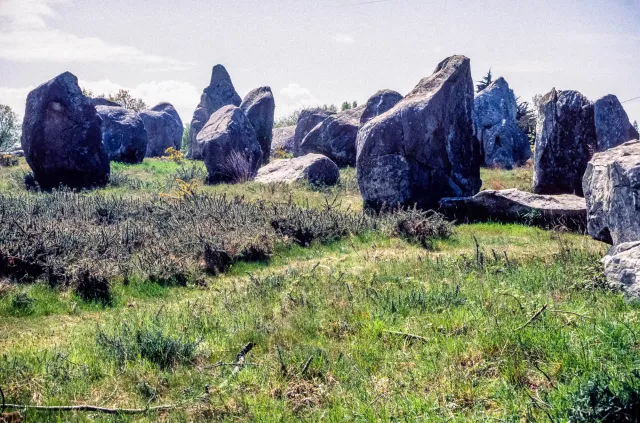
[313,52]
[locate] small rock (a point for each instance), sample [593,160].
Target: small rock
[314,168]
[282,140]
[622,268]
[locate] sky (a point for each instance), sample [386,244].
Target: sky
[317,52]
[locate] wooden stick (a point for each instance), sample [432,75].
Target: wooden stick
[534,317]
[407,335]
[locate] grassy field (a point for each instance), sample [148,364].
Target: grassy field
[489,323]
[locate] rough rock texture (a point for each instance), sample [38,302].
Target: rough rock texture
[229,146]
[612,192]
[565,142]
[423,149]
[101,101]
[164,129]
[307,120]
[219,93]
[335,137]
[283,139]
[314,168]
[612,123]
[502,142]
[123,134]
[514,206]
[379,103]
[61,136]
[622,268]
[259,107]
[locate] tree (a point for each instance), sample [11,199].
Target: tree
[346,106]
[127,101]
[185,139]
[9,127]
[484,82]
[526,119]
[354,105]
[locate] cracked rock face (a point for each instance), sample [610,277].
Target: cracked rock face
[622,268]
[612,192]
[423,148]
[164,129]
[314,168]
[612,123]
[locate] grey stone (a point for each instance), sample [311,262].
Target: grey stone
[565,142]
[622,268]
[502,142]
[379,103]
[612,123]
[123,134]
[61,136]
[283,140]
[164,129]
[230,147]
[259,107]
[423,149]
[514,206]
[314,168]
[219,93]
[307,120]
[612,192]
[101,101]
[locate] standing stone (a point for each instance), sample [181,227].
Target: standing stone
[259,107]
[335,137]
[61,136]
[164,129]
[282,141]
[314,168]
[123,134]
[502,142]
[423,149]
[379,103]
[307,120]
[219,93]
[612,123]
[565,142]
[612,192]
[230,147]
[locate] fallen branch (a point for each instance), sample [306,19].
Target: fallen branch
[239,363]
[407,335]
[534,317]
[306,366]
[93,408]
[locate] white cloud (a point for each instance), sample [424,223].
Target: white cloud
[15,98]
[529,67]
[28,13]
[293,97]
[344,39]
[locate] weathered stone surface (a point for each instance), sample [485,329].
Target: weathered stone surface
[307,120]
[219,93]
[335,137]
[314,168]
[565,142]
[423,149]
[229,146]
[259,107]
[61,136]
[379,103]
[283,139]
[123,134]
[502,142]
[514,206]
[622,268]
[164,129]
[612,192]
[612,123]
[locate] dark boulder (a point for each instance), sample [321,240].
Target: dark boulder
[612,123]
[423,149]
[307,120]
[282,141]
[229,147]
[314,168]
[219,93]
[565,142]
[379,103]
[123,134]
[259,107]
[502,142]
[164,129]
[61,136]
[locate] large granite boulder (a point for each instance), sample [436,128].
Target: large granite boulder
[61,136]
[335,137]
[229,147]
[123,134]
[622,268]
[379,103]
[282,141]
[565,142]
[219,93]
[423,149]
[314,168]
[612,192]
[259,107]
[307,120]
[612,123]
[514,206]
[502,142]
[164,129]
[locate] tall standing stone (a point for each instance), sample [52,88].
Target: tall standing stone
[565,142]
[61,136]
[123,134]
[219,93]
[612,123]
[423,149]
[164,129]
[259,107]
